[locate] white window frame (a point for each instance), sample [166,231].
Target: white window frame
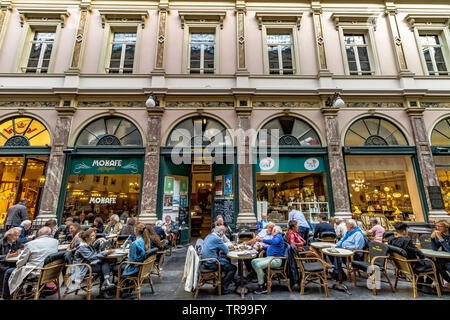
[444,39]
[122,56]
[33,21]
[201,21]
[358,62]
[203,29]
[284,22]
[292,30]
[42,52]
[120,21]
[353,23]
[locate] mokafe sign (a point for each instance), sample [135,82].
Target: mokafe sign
[102,200]
[106,166]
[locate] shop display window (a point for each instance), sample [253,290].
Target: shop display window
[443,173]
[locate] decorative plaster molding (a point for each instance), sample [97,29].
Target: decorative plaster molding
[119,15]
[351,19]
[5,5]
[58,15]
[415,20]
[287,17]
[202,17]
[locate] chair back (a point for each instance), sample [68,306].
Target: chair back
[147,266]
[377,249]
[243,229]
[425,241]
[245,236]
[328,237]
[53,265]
[399,258]
[199,246]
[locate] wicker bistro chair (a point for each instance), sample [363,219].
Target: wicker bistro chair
[377,257]
[145,271]
[86,283]
[278,273]
[403,269]
[49,272]
[160,255]
[209,276]
[328,237]
[312,271]
[425,241]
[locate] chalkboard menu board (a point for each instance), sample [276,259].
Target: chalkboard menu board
[225,208]
[436,197]
[183,216]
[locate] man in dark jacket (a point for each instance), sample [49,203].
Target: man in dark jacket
[16,214]
[323,226]
[10,246]
[64,230]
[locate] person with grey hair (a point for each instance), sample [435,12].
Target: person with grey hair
[10,246]
[159,229]
[25,227]
[114,225]
[275,249]
[212,248]
[340,228]
[32,257]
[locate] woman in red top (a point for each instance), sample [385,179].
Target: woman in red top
[294,237]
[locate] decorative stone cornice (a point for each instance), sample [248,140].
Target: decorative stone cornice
[58,15]
[163,5]
[123,16]
[5,5]
[240,6]
[351,19]
[285,17]
[155,111]
[316,7]
[391,8]
[425,19]
[202,17]
[414,111]
[86,5]
[329,111]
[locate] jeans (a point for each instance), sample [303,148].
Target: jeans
[101,267]
[225,266]
[304,233]
[260,264]
[6,294]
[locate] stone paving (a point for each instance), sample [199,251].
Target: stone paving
[172,288]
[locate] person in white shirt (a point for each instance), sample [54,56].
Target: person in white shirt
[340,228]
[303,226]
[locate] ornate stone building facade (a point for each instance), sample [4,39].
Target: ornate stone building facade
[78,74]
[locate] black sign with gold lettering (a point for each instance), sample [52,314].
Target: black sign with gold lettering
[435,194]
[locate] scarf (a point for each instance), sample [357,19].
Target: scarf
[348,234]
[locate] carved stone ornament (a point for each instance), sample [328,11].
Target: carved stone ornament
[202,17]
[281,18]
[131,16]
[39,15]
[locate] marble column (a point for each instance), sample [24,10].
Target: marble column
[337,167]
[55,165]
[161,40]
[5,12]
[81,35]
[316,10]
[425,158]
[246,213]
[151,167]
[240,29]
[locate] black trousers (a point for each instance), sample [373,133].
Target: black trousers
[443,267]
[101,267]
[227,267]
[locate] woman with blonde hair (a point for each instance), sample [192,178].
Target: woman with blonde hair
[440,239]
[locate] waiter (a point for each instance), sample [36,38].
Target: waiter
[16,214]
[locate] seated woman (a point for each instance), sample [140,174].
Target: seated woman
[98,225]
[85,253]
[294,237]
[377,231]
[137,250]
[440,239]
[155,240]
[114,225]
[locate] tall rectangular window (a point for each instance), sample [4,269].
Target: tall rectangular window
[357,51]
[123,47]
[201,52]
[40,53]
[432,50]
[279,47]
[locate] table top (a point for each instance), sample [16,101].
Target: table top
[118,253]
[110,236]
[340,252]
[62,247]
[12,259]
[246,254]
[436,254]
[323,245]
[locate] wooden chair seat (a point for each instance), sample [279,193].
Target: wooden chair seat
[211,276]
[278,272]
[312,271]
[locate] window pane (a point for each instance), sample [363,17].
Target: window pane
[278,39]
[129,51]
[44,36]
[45,63]
[439,58]
[273,57]
[116,51]
[114,64]
[124,37]
[209,64]
[32,63]
[35,51]
[48,51]
[209,52]
[202,37]
[286,56]
[350,54]
[128,64]
[423,40]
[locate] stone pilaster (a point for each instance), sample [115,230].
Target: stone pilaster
[5,12]
[151,166]
[316,10]
[246,213]
[161,40]
[391,13]
[337,168]
[240,29]
[425,158]
[81,35]
[55,166]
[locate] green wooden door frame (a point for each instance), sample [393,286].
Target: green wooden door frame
[391,150]
[93,152]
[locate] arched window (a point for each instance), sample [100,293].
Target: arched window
[23,132]
[110,131]
[291,131]
[199,131]
[440,136]
[374,131]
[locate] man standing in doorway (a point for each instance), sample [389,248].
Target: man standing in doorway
[303,226]
[16,214]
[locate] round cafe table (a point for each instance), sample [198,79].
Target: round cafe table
[62,247]
[118,253]
[322,245]
[436,254]
[339,253]
[240,256]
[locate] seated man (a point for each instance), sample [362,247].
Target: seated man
[114,225]
[440,239]
[275,249]
[25,227]
[10,246]
[171,228]
[159,230]
[64,229]
[263,222]
[402,240]
[212,247]
[353,240]
[322,226]
[340,228]
[264,234]
[220,221]
[33,256]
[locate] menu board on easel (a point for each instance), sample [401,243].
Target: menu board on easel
[225,208]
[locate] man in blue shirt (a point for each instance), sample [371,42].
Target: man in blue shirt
[303,226]
[275,249]
[263,222]
[212,246]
